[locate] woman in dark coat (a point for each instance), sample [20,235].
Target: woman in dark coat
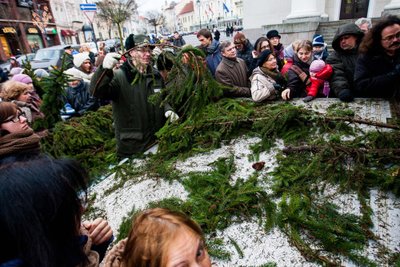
[298,74]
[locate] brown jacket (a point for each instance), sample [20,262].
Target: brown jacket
[233,72]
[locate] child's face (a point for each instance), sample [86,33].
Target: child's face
[317,49]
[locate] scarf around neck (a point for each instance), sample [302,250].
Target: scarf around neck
[15,143]
[275,75]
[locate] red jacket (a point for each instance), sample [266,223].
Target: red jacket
[317,82]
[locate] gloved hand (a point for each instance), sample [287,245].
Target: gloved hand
[346,95]
[277,87]
[308,98]
[110,60]
[172,116]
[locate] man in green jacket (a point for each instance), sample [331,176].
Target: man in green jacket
[128,87]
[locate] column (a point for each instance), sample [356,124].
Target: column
[394,4]
[393,8]
[303,9]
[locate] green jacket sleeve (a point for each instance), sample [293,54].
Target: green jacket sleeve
[103,85]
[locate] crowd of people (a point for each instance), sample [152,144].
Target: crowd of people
[43,199]
[309,70]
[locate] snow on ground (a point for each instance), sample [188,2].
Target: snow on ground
[257,246]
[120,202]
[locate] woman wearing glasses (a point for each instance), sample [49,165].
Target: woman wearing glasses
[260,45]
[267,82]
[16,137]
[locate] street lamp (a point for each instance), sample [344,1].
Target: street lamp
[198,3]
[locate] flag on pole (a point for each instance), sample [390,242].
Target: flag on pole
[225,8]
[209,8]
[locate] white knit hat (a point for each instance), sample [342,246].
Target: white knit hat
[80,58]
[74,73]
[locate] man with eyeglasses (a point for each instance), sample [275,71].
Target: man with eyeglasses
[343,61]
[378,67]
[244,48]
[232,71]
[129,87]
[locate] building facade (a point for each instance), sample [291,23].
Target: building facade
[300,19]
[26,26]
[219,13]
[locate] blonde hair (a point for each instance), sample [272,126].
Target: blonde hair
[84,48]
[11,90]
[295,44]
[306,44]
[151,233]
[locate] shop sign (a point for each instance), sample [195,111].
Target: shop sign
[9,30]
[33,31]
[51,30]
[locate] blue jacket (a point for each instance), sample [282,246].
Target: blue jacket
[213,56]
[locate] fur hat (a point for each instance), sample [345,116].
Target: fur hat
[263,57]
[80,58]
[74,73]
[318,40]
[239,38]
[273,33]
[23,78]
[317,65]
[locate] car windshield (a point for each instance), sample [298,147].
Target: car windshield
[47,54]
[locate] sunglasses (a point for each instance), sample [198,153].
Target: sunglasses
[16,118]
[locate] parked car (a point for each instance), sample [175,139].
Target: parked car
[21,59]
[47,57]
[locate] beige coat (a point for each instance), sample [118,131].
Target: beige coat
[262,86]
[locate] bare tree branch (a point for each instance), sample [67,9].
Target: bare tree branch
[117,11]
[155,18]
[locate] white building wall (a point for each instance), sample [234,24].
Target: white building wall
[264,12]
[268,12]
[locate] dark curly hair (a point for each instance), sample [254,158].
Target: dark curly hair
[371,43]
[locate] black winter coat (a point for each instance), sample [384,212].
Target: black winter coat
[246,54]
[178,42]
[295,84]
[343,62]
[375,76]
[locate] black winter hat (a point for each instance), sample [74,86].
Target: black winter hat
[273,33]
[263,57]
[130,41]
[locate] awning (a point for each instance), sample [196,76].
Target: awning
[65,33]
[68,33]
